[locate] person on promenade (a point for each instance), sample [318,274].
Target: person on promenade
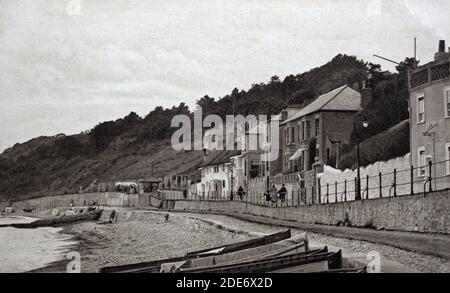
[267,195]
[274,195]
[282,192]
[241,192]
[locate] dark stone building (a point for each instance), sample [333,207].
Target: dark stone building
[319,129]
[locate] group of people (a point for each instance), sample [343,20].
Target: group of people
[273,194]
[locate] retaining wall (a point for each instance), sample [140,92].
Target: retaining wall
[418,213]
[82,199]
[407,213]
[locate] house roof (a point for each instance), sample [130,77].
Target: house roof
[343,98]
[220,157]
[150,180]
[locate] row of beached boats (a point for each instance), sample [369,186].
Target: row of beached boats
[276,253]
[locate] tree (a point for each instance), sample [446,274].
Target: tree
[275,79]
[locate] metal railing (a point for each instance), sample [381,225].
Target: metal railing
[414,180]
[411,181]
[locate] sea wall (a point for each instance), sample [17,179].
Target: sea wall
[428,213]
[81,199]
[417,213]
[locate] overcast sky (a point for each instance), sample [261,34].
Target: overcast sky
[63,71]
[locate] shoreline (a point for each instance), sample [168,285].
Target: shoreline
[148,237]
[102,245]
[29,249]
[60,266]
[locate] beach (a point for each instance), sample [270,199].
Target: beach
[146,235]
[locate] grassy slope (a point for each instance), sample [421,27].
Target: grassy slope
[123,159]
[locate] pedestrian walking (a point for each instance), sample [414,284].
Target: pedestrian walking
[267,195]
[274,195]
[282,193]
[241,192]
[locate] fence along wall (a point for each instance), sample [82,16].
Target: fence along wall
[340,185]
[414,213]
[257,187]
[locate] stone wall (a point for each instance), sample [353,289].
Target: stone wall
[80,199]
[407,213]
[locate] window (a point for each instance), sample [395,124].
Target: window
[420,109]
[308,130]
[421,161]
[302,161]
[317,151]
[317,127]
[447,157]
[303,130]
[447,103]
[292,134]
[286,138]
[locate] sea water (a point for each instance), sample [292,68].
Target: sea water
[22,250]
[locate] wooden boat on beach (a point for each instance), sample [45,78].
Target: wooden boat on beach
[276,253]
[291,245]
[310,261]
[154,266]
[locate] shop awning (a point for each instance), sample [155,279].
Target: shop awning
[296,155]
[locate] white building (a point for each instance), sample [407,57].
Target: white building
[216,172]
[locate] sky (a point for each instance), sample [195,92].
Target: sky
[66,65]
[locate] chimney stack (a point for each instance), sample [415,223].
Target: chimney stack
[442,46]
[205,154]
[356,86]
[284,115]
[441,55]
[366,95]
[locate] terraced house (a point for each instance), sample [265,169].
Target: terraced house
[430,119]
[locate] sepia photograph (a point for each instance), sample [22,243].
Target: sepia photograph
[235,137]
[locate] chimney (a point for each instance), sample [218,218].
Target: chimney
[205,154]
[366,95]
[284,115]
[441,55]
[356,86]
[442,46]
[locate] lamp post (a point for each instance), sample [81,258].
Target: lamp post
[365,123]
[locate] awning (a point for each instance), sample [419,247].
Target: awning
[296,155]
